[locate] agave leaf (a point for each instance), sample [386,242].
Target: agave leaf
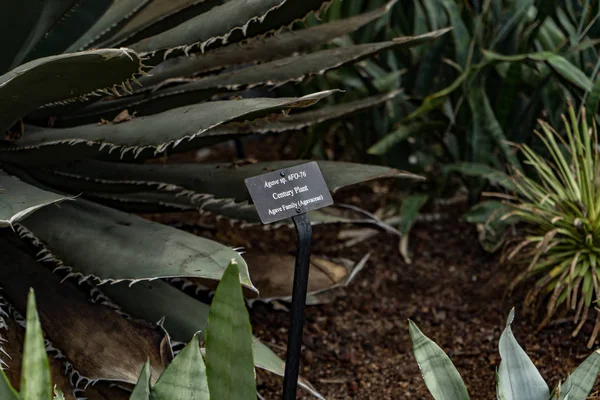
[6,391]
[161,16]
[65,77]
[261,50]
[185,378]
[228,23]
[17,22]
[229,359]
[74,22]
[18,199]
[161,131]
[141,391]
[580,383]
[98,342]
[272,73]
[223,181]
[518,378]
[51,13]
[115,16]
[183,317]
[440,375]
[126,247]
[35,376]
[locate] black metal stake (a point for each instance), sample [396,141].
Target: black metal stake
[292,359]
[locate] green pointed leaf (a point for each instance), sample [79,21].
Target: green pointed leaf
[35,374]
[581,382]
[461,35]
[403,132]
[63,77]
[440,375]
[518,379]
[409,212]
[141,391]
[6,390]
[281,45]
[58,394]
[127,247]
[162,131]
[18,199]
[185,378]
[228,23]
[229,360]
[559,64]
[493,175]
[183,317]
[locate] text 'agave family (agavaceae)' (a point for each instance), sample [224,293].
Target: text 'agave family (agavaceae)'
[91,90]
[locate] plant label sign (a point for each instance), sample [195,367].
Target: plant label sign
[288,192]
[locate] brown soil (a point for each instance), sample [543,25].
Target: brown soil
[358,347]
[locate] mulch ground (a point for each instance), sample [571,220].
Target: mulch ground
[358,347]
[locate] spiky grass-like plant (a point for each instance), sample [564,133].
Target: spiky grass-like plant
[562,210]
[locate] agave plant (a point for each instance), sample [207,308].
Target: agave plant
[78,131]
[228,357]
[517,376]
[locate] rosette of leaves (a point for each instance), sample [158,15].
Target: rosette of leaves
[91,91]
[517,377]
[558,204]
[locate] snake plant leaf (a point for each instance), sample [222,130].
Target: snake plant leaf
[6,390]
[229,359]
[228,23]
[93,337]
[141,391]
[400,134]
[162,131]
[185,378]
[409,212]
[440,375]
[35,376]
[115,17]
[126,247]
[580,383]
[65,77]
[558,63]
[282,45]
[518,379]
[183,317]
[19,199]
